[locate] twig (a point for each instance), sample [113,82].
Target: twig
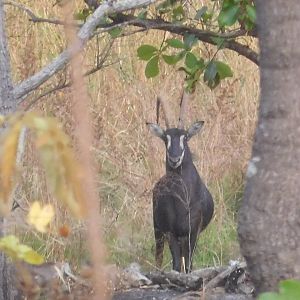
[85,33]
[100,65]
[203,35]
[34,18]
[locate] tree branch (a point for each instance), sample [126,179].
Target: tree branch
[116,7]
[62,85]
[85,33]
[202,35]
[34,18]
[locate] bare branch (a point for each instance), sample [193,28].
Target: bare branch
[100,65]
[61,86]
[85,33]
[34,18]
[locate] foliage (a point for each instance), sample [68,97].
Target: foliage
[61,169]
[288,290]
[13,248]
[213,71]
[192,66]
[175,50]
[242,11]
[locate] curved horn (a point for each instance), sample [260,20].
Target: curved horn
[183,107]
[161,101]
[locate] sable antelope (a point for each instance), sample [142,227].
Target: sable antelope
[182,204]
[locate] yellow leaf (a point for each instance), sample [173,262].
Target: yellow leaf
[39,216]
[31,256]
[12,247]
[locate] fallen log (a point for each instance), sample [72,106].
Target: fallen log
[191,281]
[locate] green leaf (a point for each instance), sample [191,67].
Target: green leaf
[229,16]
[200,13]
[249,25]
[251,12]
[227,3]
[211,75]
[115,32]
[152,68]
[190,60]
[175,43]
[170,59]
[178,13]
[210,71]
[290,288]
[189,41]
[223,70]
[145,52]
[270,296]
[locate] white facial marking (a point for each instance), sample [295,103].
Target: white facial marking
[181,141]
[180,161]
[169,142]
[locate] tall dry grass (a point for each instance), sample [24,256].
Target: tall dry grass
[129,158]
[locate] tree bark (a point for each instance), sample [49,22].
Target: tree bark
[269,219]
[7,104]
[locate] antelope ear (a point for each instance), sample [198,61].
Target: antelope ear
[194,129]
[156,130]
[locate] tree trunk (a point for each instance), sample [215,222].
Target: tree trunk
[269,220]
[7,105]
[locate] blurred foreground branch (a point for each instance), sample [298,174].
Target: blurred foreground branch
[85,33]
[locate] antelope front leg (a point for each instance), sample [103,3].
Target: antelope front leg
[159,249]
[174,245]
[188,247]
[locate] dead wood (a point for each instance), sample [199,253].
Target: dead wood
[214,283]
[223,275]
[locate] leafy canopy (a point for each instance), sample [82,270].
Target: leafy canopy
[231,15]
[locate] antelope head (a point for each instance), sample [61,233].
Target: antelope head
[176,138]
